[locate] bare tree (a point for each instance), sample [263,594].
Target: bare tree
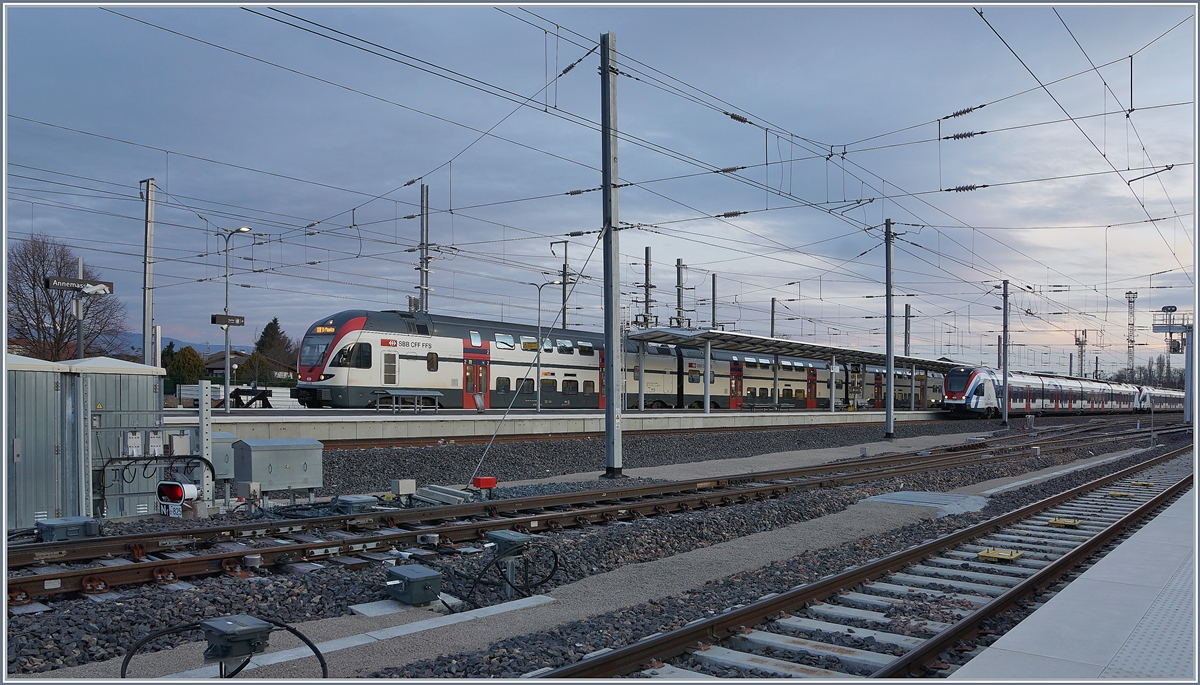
[41,319]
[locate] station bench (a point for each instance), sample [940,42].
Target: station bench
[417,396]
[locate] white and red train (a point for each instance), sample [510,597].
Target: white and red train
[977,390]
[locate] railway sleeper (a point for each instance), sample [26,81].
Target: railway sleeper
[969,576]
[906,591]
[1047,533]
[670,672]
[960,585]
[1060,546]
[811,624]
[849,656]
[1042,552]
[1007,567]
[731,658]
[836,611]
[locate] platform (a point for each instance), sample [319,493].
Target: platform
[321,424]
[1132,615]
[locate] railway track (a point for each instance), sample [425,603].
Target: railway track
[898,616]
[98,564]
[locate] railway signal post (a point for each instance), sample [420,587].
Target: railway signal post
[890,391]
[613,352]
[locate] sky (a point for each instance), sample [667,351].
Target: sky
[315,126]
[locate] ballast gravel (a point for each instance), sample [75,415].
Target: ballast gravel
[79,631]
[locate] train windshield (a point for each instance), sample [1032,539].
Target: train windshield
[313,350]
[956,380]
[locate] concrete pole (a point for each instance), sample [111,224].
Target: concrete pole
[642,375]
[225,403]
[832,381]
[612,275]
[79,317]
[1188,383]
[424,268]
[714,302]
[564,284]
[1004,357]
[775,381]
[647,287]
[707,371]
[912,389]
[889,390]
[147,277]
[538,387]
[679,292]
[907,328]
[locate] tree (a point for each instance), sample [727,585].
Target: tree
[168,354]
[43,318]
[274,344]
[187,367]
[255,368]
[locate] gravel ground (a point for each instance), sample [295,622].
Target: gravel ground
[79,630]
[568,643]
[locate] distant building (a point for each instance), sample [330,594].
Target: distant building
[215,362]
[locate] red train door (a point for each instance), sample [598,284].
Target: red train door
[476,360]
[810,401]
[735,385]
[601,390]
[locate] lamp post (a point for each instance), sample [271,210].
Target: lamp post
[227,235]
[539,287]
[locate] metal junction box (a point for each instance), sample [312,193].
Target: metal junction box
[413,584]
[278,464]
[355,504]
[222,455]
[69,528]
[509,542]
[233,637]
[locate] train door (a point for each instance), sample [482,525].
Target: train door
[735,384]
[476,361]
[877,401]
[810,401]
[924,400]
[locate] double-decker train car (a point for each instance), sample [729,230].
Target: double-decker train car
[353,358]
[977,391]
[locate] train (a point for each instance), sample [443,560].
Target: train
[353,358]
[976,391]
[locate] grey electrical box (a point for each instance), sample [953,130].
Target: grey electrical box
[413,584]
[508,542]
[69,528]
[234,637]
[222,454]
[354,504]
[180,443]
[278,464]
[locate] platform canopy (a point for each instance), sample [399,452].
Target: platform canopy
[757,344]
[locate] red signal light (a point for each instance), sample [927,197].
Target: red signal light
[171,492]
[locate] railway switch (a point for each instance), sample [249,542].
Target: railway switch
[413,584]
[509,542]
[69,528]
[354,504]
[234,637]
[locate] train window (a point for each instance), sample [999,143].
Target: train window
[546,346]
[786,364]
[476,340]
[314,350]
[693,375]
[586,349]
[342,358]
[389,368]
[431,361]
[422,329]
[589,387]
[362,355]
[800,394]
[750,392]
[528,343]
[526,386]
[503,385]
[549,385]
[570,387]
[979,390]
[565,347]
[785,394]
[504,341]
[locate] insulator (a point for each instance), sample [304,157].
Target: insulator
[738,117]
[411,216]
[575,192]
[576,234]
[569,67]
[729,169]
[964,135]
[411,182]
[961,112]
[729,215]
[964,189]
